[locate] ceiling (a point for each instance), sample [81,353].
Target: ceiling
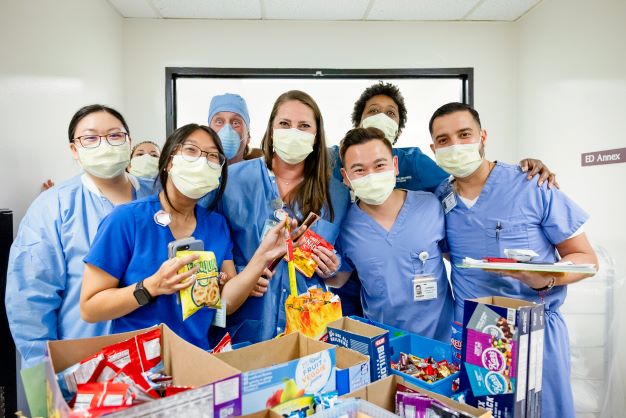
[364,10]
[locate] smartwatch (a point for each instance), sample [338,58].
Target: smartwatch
[142,295]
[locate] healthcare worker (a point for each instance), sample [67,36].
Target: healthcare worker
[294,178]
[128,277]
[45,263]
[144,160]
[229,117]
[491,207]
[392,237]
[382,106]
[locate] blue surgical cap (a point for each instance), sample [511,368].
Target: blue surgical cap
[229,102]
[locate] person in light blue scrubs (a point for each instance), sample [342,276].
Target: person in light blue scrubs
[490,207]
[122,281]
[45,266]
[392,238]
[293,178]
[382,106]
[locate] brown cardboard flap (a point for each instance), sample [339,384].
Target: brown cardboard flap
[504,302]
[272,352]
[347,358]
[357,327]
[263,414]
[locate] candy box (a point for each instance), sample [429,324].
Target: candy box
[353,370]
[217,385]
[366,339]
[495,354]
[283,372]
[383,394]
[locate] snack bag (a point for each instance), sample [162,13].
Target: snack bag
[302,253]
[97,395]
[310,312]
[205,292]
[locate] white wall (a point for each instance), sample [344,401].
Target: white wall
[56,57]
[152,45]
[572,99]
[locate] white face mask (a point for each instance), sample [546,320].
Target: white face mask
[105,161]
[384,123]
[293,145]
[195,179]
[459,160]
[145,166]
[375,188]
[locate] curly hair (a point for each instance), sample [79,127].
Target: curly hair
[386,89]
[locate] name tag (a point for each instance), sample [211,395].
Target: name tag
[424,288]
[219,320]
[448,202]
[269,224]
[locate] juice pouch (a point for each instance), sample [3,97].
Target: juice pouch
[205,292]
[302,253]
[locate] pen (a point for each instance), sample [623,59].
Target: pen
[498,229]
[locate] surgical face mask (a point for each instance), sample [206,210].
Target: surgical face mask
[195,179]
[293,145]
[105,161]
[459,160]
[146,166]
[374,188]
[230,141]
[384,123]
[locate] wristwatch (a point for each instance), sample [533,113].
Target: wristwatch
[142,295]
[549,286]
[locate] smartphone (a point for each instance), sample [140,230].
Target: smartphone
[184,244]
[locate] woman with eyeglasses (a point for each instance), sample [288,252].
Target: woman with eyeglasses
[130,253]
[46,261]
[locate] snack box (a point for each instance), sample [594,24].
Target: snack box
[495,354]
[366,339]
[383,394]
[353,370]
[283,371]
[395,334]
[217,385]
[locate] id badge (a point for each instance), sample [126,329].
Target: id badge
[219,320]
[448,202]
[269,224]
[424,288]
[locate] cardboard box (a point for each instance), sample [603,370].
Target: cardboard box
[395,334]
[358,408]
[535,361]
[281,370]
[496,333]
[267,413]
[366,339]
[218,385]
[383,394]
[353,370]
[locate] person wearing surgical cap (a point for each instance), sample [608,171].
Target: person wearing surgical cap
[229,117]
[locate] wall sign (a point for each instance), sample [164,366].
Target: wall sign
[612,156]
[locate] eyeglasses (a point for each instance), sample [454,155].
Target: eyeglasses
[93,141]
[191,153]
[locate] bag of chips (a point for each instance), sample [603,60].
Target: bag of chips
[205,292]
[302,254]
[310,312]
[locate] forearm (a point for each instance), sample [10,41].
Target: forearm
[237,290]
[576,258]
[338,280]
[109,304]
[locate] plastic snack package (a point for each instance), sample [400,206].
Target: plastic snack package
[205,292]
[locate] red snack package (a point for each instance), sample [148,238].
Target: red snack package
[149,347]
[224,345]
[173,390]
[124,355]
[302,254]
[97,395]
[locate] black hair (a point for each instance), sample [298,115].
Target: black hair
[88,110]
[453,107]
[386,89]
[171,146]
[359,136]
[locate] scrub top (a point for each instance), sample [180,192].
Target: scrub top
[247,204]
[131,246]
[388,261]
[514,213]
[45,268]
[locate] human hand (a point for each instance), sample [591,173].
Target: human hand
[327,262]
[538,167]
[167,280]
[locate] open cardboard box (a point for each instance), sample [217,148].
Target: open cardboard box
[383,393]
[277,371]
[215,382]
[353,370]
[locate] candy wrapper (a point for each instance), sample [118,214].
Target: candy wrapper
[427,369]
[310,312]
[302,254]
[225,344]
[97,395]
[205,292]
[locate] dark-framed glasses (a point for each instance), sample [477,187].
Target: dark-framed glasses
[191,153]
[93,141]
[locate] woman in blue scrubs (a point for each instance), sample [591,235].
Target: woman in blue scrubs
[120,282]
[45,267]
[491,207]
[293,177]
